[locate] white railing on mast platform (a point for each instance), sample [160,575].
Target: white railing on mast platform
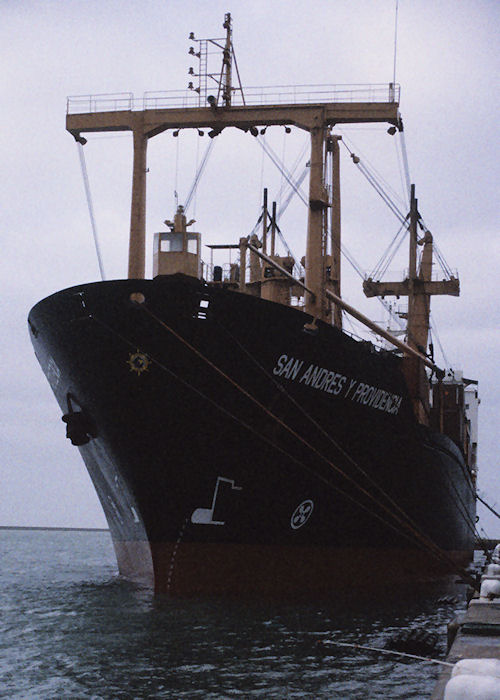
[400,275]
[254,96]
[113,102]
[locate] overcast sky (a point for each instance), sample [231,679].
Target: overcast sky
[448,67]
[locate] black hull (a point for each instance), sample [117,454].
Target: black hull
[234,452]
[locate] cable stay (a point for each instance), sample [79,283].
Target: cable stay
[444,266]
[277,229]
[373,179]
[371,176]
[295,189]
[392,200]
[434,330]
[387,257]
[391,251]
[404,174]
[295,185]
[283,170]
[283,197]
[290,195]
[199,173]
[404,155]
[490,508]
[384,185]
[90,207]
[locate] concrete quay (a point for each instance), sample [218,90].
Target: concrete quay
[475,648]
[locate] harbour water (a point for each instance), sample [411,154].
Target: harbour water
[71,628]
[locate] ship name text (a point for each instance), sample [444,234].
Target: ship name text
[336,383]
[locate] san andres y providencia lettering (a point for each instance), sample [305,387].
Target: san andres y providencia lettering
[336,383]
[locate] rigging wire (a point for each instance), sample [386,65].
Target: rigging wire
[388,255]
[199,173]
[196,186]
[250,428]
[395,43]
[382,183]
[380,191]
[278,231]
[176,188]
[406,521]
[446,269]
[434,330]
[90,208]
[405,185]
[298,181]
[387,305]
[370,175]
[283,204]
[487,505]
[289,178]
[414,535]
[420,537]
[262,163]
[404,154]
[291,194]
[283,152]
[295,188]
[391,200]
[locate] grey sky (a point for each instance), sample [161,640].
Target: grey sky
[447,64]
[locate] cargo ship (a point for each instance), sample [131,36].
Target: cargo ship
[241,441]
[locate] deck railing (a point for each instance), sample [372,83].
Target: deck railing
[251,96]
[400,275]
[113,102]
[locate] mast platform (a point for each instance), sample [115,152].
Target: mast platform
[157,112]
[312,109]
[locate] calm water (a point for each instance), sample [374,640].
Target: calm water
[70,628]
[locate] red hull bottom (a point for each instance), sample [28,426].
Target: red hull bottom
[189,569]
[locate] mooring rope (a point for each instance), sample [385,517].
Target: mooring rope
[387,651]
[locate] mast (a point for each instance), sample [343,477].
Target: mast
[316,239]
[227,55]
[273,229]
[137,240]
[412,263]
[418,287]
[335,227]
[264,222]
[375,105]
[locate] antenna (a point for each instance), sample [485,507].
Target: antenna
[395,43]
